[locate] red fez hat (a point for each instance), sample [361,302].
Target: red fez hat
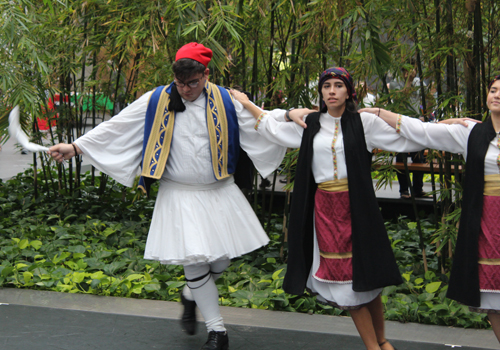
[196,52]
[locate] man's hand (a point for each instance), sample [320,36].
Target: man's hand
[62,151]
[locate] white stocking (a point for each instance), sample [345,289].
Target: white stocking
[205,293]
[216,269]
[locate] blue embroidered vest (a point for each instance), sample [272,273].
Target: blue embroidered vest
[222,125]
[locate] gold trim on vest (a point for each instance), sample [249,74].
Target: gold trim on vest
[160,139]
[217,130]
[158,147]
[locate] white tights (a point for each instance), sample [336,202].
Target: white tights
[202,289]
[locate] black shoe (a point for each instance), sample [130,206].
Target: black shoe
[216,341]
[188,319]
[423,195]
[405,195]
[265,183]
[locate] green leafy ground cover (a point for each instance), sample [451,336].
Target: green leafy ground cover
[94,244]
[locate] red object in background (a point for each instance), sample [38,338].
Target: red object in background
[43,122]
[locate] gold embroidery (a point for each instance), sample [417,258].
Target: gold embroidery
[334,153]
[398,123]
[217,130]
[259,119]
[158,146]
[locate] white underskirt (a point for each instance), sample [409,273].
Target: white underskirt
[338,293]
[490,301]
[202,223]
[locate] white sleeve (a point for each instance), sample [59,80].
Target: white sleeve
[265,154]
[273,127]
[115,146]
[379,134]
[445,137]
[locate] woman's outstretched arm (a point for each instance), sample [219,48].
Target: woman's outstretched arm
[391,118]
[296,115]
[450,138]
[388,116]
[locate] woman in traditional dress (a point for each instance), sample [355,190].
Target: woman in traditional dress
[338,245]
[475,274]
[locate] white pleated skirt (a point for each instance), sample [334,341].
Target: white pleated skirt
[340,295]
[201,223]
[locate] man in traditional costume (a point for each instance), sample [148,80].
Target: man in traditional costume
[187,135]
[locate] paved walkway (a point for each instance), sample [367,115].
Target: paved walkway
[35,320]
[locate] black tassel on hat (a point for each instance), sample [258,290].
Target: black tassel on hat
[176,103]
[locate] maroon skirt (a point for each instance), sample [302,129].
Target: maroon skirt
[489,245]
[333,232]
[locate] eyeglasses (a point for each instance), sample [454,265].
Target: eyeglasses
[192,84]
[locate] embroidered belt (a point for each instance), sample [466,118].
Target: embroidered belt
[328,255]
[492,185]
[484,261]
[334,185]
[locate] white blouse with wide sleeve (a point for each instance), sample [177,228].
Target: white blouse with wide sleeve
[450,138]
[329,157]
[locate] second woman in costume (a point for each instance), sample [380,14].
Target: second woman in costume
[475,274]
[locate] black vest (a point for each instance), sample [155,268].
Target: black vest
[464,278]
[373,262]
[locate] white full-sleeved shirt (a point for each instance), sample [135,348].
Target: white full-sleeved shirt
[115,146]
[450,138]
[329,156]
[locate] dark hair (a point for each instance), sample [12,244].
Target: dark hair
[186,68]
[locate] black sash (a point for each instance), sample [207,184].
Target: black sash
[464,279]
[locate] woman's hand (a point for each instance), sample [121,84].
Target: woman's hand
[461,121]
[240,97]
[63,151]
[297,115]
